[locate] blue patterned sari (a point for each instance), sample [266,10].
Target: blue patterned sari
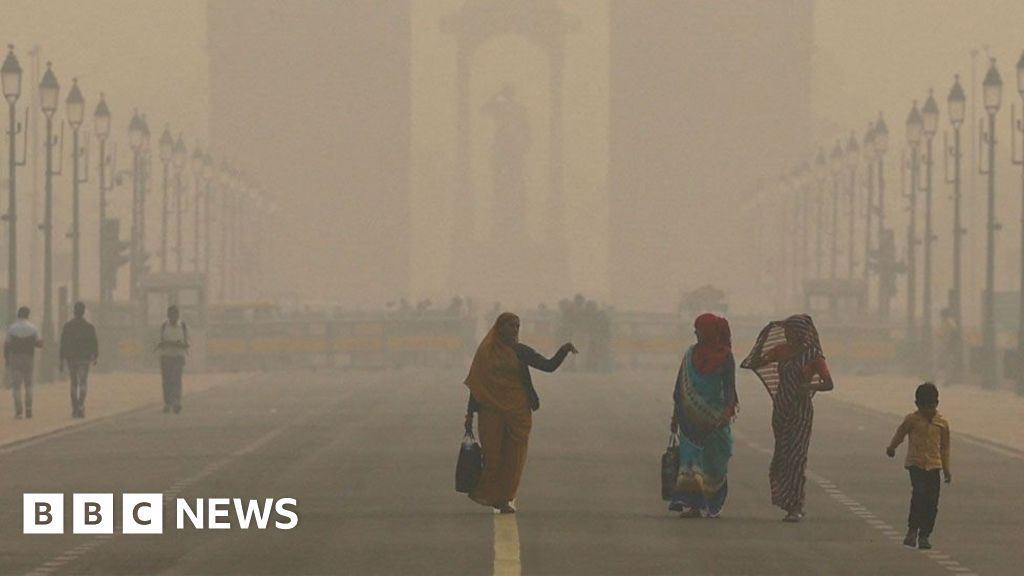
[702,401]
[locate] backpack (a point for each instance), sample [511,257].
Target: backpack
[184,330]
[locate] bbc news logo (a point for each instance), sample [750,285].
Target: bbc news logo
[144,513]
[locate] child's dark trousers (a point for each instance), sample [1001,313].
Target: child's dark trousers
[924,501]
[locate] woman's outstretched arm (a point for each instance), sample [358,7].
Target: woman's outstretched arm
[533,359]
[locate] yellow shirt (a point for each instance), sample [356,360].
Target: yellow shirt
[928,447]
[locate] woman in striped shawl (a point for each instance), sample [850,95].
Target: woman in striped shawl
[789,361]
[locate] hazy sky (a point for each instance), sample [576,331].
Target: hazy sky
[145,54]
[871,55]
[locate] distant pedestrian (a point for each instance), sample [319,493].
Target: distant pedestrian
[501,390]
[79,348]
[19,354]
[705,402]
[927,453]
[174,345]
[790,362]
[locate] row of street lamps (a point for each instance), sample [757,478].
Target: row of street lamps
[174,157]
[879,252]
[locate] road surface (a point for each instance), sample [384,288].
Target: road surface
[370,459]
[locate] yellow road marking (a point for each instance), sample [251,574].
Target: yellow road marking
[506,545]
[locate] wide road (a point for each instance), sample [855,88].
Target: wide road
[370,459]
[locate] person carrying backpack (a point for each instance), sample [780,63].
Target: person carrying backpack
[173,348]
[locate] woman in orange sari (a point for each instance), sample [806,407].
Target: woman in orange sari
[502,392]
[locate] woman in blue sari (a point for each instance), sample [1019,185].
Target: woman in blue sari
[705,403]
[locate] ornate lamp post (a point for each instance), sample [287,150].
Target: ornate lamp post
[806,185]
[49,95]
[852,160]
[886,279]
[992,94]
[166,155]
[101,125]
[930,124]
[10,74]
[956,103]
[836,167]
[136,137]
[197,175]
[868,150]
[820,174]
[1018,128]
[915,126]
[835,164]
[180,159]
[227,193]
[75,107]
[209,173]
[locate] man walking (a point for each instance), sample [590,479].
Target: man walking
[19,355]
[79,348]
[173,348]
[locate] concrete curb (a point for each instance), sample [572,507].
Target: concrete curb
[8,446]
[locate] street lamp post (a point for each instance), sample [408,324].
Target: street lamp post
[10,73]
[885,291]
[992,93]
[915,126]
[136,134]
[75,106]
[180,158]
[49,94]
[208,176]
[820,174]
[852,159]
[166,155]
[1018,128]
[197,176]
[836,167]
[101,125]
[806,185]
[145,171]
[792,182]
[956,103]
[225,209]
[868,150]
[930,124]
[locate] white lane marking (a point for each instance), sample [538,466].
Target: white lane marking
[506,545]
[861,511]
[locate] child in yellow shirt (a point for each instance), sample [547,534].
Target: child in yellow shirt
[927,452]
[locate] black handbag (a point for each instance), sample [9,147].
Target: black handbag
[670,467]
[470,464]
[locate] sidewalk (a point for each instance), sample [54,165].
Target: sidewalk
[991,415]
[109,394]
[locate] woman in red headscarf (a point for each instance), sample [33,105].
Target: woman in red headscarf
[705,402]
[501,390]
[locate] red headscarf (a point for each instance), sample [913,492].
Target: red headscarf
[714,343]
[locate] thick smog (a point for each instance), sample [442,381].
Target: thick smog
[512,287]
